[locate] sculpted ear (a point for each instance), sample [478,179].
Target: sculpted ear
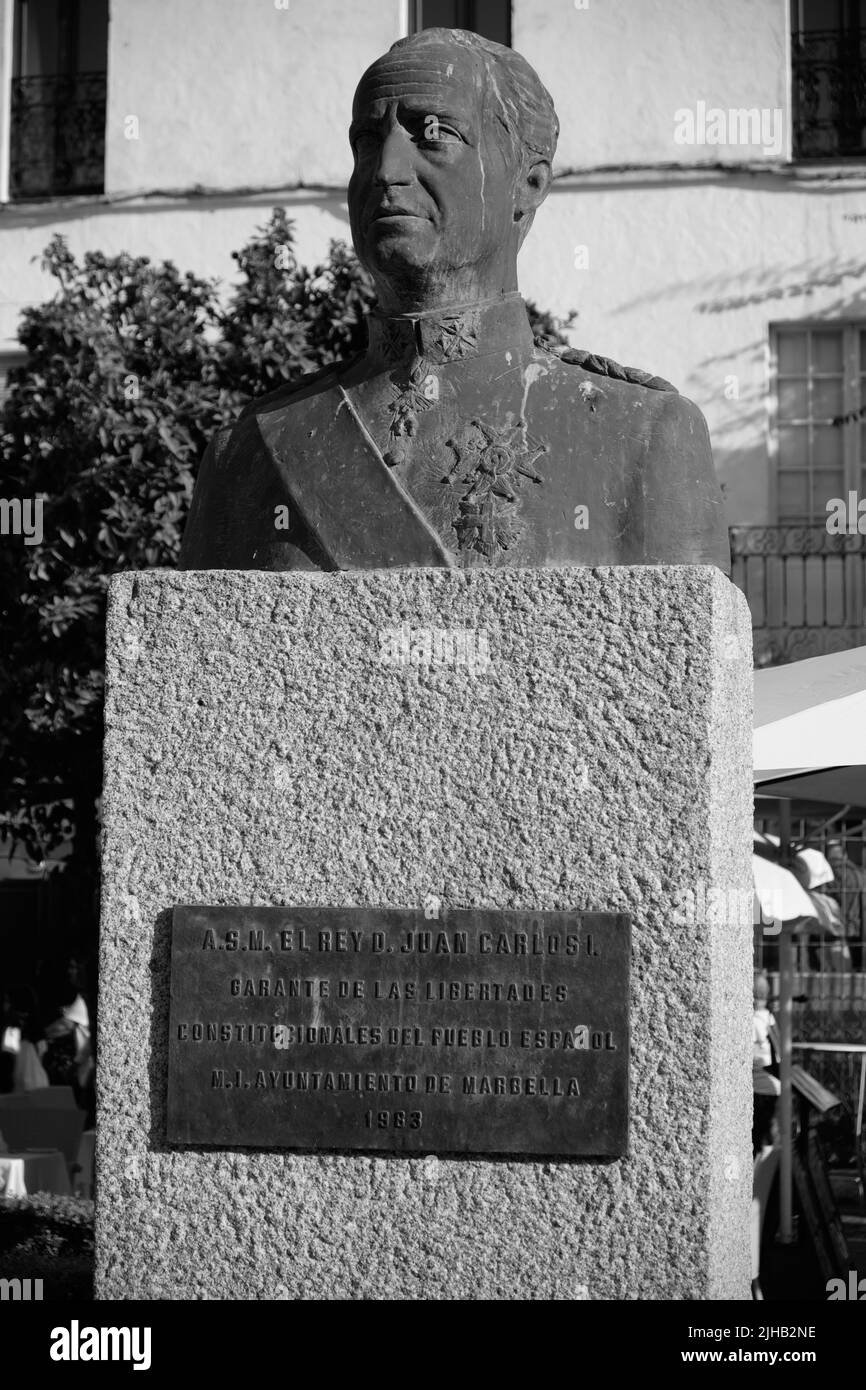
[532,190]
[534,184]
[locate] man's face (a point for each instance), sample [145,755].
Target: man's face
[433,187]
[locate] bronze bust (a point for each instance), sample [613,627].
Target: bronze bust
[455,439]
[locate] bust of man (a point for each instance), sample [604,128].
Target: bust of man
[455,439]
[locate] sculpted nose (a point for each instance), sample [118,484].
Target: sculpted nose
[394,159]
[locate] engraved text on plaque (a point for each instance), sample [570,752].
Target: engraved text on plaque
[357,1028]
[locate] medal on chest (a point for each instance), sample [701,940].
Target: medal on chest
[492,465]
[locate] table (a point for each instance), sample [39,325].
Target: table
[35,1170]
[853,1049]
[47,1118]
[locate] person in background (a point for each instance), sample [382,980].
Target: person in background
[766,1087]
[21,1041]
[9,1038]
[68,1056]
[849,884]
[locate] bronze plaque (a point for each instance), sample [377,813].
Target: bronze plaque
[358,1028]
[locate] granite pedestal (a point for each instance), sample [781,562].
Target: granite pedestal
[581,740]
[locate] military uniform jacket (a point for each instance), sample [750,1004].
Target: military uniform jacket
[457,440]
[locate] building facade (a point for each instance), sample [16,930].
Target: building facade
[707,219]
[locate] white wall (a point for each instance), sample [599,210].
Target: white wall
[6,30]
[619,70]
[198,235]
[237,93]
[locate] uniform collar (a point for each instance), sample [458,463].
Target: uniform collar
[453,333]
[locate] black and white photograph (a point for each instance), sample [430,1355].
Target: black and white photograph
[432,671]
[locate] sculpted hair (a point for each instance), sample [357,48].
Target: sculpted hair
[524,105]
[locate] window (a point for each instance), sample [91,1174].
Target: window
[58,98]
[490,18]
[828,54]
[820,435]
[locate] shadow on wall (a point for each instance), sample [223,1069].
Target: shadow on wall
[716,294]
[799,282]
[731,387]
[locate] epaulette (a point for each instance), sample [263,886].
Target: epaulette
[605,366]
[288,388]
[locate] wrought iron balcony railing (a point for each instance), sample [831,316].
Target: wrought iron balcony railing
[829,93]
[805,587]
[58,135]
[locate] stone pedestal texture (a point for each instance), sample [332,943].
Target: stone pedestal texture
[259,750]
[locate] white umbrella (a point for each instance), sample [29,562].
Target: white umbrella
[781,898]
[810,714]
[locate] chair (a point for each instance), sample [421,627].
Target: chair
[812,1091]
[47,1118]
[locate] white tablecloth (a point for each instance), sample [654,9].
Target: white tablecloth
[25,1173]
